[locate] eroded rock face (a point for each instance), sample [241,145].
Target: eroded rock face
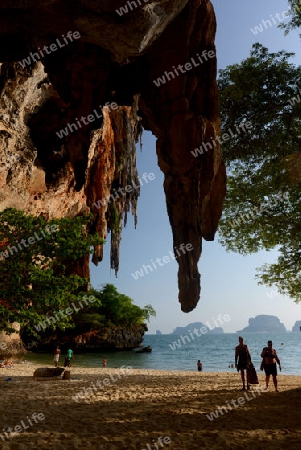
[30,24]
[115,61]
[183,113]
[11,345]
[107,338]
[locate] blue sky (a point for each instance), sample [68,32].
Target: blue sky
[228,285]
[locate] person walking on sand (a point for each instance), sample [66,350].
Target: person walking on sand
[56,356]
[199,366]
[242,360]
[270,358]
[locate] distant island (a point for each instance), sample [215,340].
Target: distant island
[297,327]
[264,323]
[158,332]
[190,327]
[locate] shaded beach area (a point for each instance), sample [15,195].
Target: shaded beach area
[140,409]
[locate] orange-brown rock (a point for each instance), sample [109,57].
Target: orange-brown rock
[11,345]
[116,59]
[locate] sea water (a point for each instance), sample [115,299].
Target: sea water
[181,352]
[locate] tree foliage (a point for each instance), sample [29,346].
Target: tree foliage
[295,16]
[113,308]
[35,278]
[262,209]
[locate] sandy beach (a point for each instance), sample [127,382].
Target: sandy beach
[146,409]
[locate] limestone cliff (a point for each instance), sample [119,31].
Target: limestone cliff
[11,345]
[203,329]
[297,327]
[114,58]
[108,338]
[264,323]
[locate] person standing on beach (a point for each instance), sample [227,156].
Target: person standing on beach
[200,366]
[242,360]
[104,362]
[56,356]
[68,357]
[270,358]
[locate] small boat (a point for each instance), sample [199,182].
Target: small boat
[147,349]
[48,372]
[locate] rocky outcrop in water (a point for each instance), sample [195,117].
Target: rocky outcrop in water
[94,56]
[205,328]
[108,338]
[264,323]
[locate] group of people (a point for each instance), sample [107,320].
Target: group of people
[68,357]
[243,363]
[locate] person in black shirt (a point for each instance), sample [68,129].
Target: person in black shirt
[199,366]
[242,360]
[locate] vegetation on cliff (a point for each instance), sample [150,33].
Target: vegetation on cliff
[39,288]
[36,259]
[111,309]
[106,319]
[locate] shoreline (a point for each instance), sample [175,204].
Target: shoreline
[185,357]
[20,366]
[232,371]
